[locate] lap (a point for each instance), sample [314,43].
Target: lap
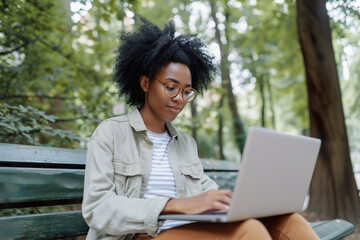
[289,226]
[248,229]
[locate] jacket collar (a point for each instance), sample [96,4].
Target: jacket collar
[138,124]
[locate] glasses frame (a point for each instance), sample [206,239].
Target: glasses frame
[179,90]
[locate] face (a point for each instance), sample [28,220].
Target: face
[158,106]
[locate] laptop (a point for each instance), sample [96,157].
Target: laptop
[276,171]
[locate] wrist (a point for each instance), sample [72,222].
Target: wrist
[172,206]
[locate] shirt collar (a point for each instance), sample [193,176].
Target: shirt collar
[138,124]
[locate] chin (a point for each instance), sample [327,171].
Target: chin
[171,118]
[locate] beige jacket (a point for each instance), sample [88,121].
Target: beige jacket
[118,167]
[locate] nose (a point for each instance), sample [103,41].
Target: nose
[178,97]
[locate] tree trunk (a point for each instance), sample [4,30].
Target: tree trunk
[239,129]
[220,130]
[333,192]
[194,116]
[271,102]
[263,100]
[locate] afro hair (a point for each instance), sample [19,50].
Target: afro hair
[148,48]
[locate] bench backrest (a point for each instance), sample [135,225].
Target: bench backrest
[32,176]
[40,176]
[43,176]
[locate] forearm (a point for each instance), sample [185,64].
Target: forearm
[208,201]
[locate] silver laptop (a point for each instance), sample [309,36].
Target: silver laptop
[274,179]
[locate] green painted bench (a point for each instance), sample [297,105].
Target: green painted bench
[32,176]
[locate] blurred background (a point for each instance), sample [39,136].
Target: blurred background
[57,58]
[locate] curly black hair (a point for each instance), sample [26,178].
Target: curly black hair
[149,48]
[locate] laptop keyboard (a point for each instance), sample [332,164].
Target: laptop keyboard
[218,212]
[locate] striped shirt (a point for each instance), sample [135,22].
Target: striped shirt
[162,181]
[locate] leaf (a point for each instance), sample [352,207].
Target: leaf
[28,137]
[23,128]
[8,126]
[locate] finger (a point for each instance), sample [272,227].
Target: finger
[219,206]
[224,195]
[224,199]
[227,192]
[219,196]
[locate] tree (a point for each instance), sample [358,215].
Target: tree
[30,35]
[48,62]
[238,125]
[333,192]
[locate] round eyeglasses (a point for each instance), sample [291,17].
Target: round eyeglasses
[172,89]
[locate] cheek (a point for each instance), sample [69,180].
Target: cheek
[157,96]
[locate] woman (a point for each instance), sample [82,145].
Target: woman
[140,166]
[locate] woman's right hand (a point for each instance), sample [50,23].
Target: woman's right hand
[212,200]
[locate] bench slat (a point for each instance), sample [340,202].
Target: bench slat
[332,229]
[32,156]
[21,185]
[43,226]
[30,185]
[65,224]
[224,181]
[16,154]
[220,165]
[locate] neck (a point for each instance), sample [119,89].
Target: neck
[152,123]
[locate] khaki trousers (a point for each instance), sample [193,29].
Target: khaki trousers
[291,226]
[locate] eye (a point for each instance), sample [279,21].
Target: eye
[188,92]
[171,88]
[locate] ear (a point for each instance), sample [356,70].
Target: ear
[144,83]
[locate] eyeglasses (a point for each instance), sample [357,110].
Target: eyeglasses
[172,89]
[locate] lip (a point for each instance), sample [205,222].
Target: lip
[174,109]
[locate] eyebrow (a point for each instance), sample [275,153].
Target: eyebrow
[176,81]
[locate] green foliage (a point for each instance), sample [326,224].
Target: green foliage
[345,25]
[30,126]
[48,62]
[62,68]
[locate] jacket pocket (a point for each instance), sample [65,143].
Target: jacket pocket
[192,174]
[127,178]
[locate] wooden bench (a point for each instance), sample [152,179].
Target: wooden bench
[32,176]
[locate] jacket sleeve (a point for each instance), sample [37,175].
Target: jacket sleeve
[104,210]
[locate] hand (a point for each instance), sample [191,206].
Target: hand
[212,200]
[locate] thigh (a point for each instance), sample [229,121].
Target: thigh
[290,226]
[248,229]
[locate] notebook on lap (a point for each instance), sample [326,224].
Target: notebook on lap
[274,178]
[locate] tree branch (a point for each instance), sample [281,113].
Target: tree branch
[18,47]
[70,119]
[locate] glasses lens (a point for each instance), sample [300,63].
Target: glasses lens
[189,94]
[171,90]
